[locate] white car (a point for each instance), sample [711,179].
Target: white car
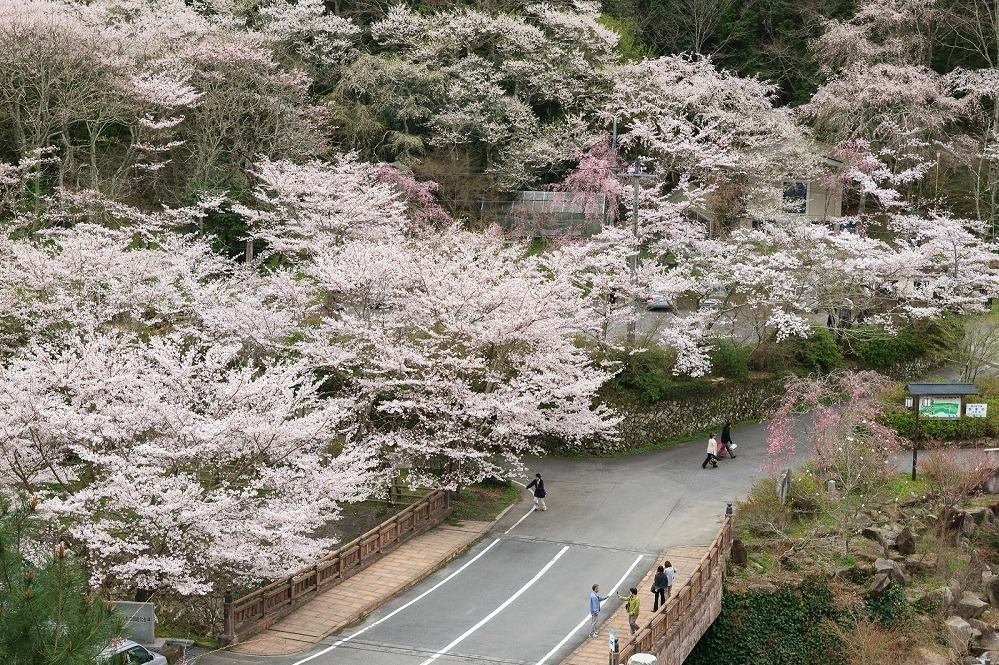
[127,652]
[658,302]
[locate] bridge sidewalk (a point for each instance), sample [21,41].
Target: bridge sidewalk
[594,651]
[360,594]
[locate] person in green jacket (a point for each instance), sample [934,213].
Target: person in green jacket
[632,603]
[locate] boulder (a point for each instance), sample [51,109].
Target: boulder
[944,599]
[892,568]
[956,587]
[958,633]
[905,542]
[922,564]
[875,534]
[844,574]
[992,591]
[738,556]
[977,514]
[880,584]
[970,606]
[926,656]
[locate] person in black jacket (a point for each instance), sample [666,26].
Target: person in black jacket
[539,492]
[659,585]
[726,440]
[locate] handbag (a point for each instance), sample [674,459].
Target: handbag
[732,446]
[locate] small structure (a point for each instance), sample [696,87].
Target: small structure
[935,400]
[140,621]
[784,486]
[547,214]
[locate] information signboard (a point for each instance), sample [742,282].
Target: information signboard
[976,410]
[940,407]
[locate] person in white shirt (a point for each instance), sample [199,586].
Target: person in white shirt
[712,452]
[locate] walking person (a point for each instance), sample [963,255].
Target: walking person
[726,439]
[595,600]
[659,585]
[712,453]
[632,605]
[670,572]
[539,492]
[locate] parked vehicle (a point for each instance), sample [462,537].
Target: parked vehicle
[716,298]
[127,652]
[658,302]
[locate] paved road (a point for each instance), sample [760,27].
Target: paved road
[520,595]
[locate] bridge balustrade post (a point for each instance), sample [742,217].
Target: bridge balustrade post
[228,620]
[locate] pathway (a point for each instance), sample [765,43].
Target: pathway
[519,595]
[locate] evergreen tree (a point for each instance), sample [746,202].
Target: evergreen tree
[47,614]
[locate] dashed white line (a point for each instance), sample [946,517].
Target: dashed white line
[587,617]
[394,612]
[499,609]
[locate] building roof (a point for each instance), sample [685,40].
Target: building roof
[942,389]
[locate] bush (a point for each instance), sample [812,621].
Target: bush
[818,352]
[730,359]
[928,339]
[649,374]
[903,421]
[891,610]
[762,512]
[805,497]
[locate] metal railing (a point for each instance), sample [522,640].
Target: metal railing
[658,626]
[249,614]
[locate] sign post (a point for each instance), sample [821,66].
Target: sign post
[935,400]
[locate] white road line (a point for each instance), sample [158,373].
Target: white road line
[394,612]
[587,617]
[525,486]
[499,609]
[519,521]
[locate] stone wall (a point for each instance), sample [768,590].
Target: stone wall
[682,636]
[707,406]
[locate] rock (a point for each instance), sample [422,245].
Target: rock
[875,534]
[970,606]
[905,542]
[880,584]
[910,502]
[956,587]
[892,568]
[944,599]
[915,596]
[762,586]
[992,591]
[926,656]
[738,555]
[969,660]
[978,514]
[918,527]
[922,564]
[958,634]
[968,525]
[845,574]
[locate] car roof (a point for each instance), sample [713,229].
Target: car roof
[119,645]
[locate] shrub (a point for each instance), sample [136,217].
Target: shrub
[730,359]
[926,339]
[891,610]
[818,352]
[649,375]
[762,512]
[903,421]
[805,497]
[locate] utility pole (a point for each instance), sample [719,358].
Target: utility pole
[637,173]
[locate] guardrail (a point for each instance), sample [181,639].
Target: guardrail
[249,614]
[669,614]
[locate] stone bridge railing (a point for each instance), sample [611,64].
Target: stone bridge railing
[674,631]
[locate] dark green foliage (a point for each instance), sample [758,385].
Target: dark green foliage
[965,429]
[891,610]
[819,352]
[730,359]
[929,339]
[649,375]
[47,615]
[789,626]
